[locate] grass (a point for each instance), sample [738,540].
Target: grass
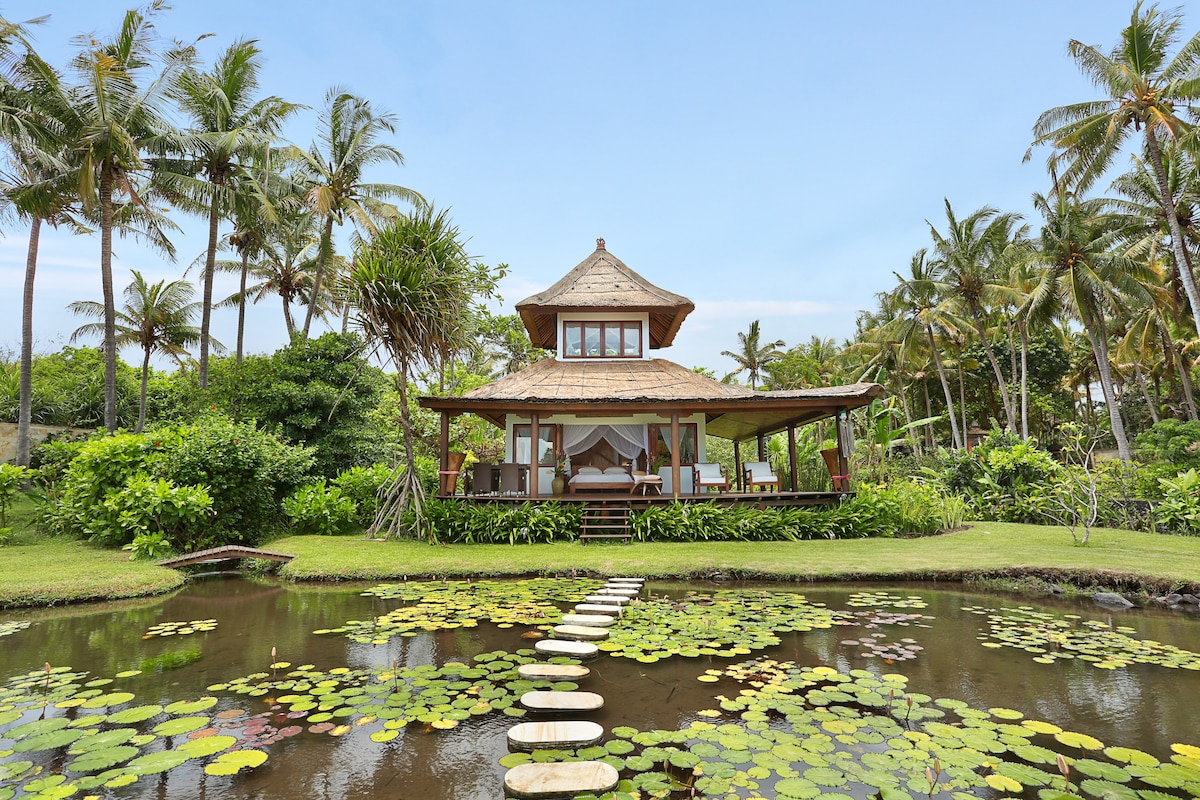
[1114,558]
[49,571]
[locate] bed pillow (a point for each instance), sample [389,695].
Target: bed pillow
[615,471]
[588,471]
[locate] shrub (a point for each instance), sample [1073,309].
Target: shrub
[902,507]
[11,478]
[156,512]
[1179,511]
[362,485]
[455,522]
[1171,441]
[320,509]
[99,466]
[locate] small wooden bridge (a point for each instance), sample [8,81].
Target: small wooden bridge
[229,552]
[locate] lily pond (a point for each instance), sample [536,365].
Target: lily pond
[252,688]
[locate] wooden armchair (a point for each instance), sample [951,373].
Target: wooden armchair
[707,475]
[758,473]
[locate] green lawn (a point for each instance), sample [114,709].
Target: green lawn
[47,571]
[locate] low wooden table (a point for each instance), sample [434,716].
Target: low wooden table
[647,482]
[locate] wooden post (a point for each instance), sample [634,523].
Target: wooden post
[843,462]
[675,471]
[792,457]
[535,435]
[737,464]
[762,447]
[444,443]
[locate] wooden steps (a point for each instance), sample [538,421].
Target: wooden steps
[606,520]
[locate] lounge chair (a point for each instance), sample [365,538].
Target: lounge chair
[758,473]
[707,475]
[511,479]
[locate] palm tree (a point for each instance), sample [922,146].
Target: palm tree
[1085,275]
[110,118]
[349,133]
[752,357]
[155,317]
[1144,90]
[415,290]
[968,257]
[227,127]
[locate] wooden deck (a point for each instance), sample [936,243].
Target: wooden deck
[227,553]
[637,501]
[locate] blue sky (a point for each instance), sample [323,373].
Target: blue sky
[769,160]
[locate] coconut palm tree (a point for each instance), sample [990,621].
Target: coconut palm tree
[752,356]
[415,289]
[1086,275]
[114,112]
[1145,92]
[227,126]
[348,145]
[968,257]
[156,317]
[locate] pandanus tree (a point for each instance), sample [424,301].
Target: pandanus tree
[1146,91]
[335,165]
[1086,275]
[227,128]
[155,317]
[415,290]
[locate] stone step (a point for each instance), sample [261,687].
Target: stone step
[580,632]
[564,647]
[592,620]
[619,592]
[600,608]
[624,584]
[629,580]
[552,735]
[607,598]
[553,672]
[562,701]
[561,779]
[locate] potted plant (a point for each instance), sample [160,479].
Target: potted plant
[562,466]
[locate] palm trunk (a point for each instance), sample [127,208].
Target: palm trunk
[1010,324]
[141,423]
[929,440]
[937,360]
[242,304]
[1096,334]
[1024,381]
[1171,353]
[405,491]
[25,414]
[962,398]
[987,348]
[322,260]
[1146,393]
[1168,202]
[287,317]
[110,306]
[210,265]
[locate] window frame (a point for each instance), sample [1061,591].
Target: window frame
[627,331]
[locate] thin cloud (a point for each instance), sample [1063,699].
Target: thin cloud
[711,310]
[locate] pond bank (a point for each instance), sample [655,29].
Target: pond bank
[1126,561]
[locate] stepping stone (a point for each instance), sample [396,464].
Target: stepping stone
[562,701]
[554,735]
[552,672]
[626,587]
[564,647]
[560,779]
[620,592]
[599,608]
[592,620]
[607,598]
[583,632]
[628,580]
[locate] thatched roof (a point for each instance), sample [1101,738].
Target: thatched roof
[602,282]
[635,386]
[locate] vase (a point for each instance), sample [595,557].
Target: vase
[558,484]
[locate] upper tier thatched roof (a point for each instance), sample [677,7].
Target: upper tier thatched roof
[602,282]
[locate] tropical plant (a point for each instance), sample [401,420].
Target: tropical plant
[320,509]
[156,317]
[752,356]
[11,478]
[415,289]
[1179,511]
[349,132]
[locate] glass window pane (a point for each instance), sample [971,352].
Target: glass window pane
[545,446]
[521,444]
[591,339]
[572,332]
[633,339]
[612,340]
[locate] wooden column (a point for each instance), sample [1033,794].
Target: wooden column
[675,471]
[444,443]
[843,462]
[737,464]
[531,485]
[762,447]
[792,457]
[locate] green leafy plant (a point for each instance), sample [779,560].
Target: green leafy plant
[11,478]
[362,485]
[148,514]
[1179,511]
[320,509]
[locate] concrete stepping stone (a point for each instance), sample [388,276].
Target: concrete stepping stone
[580,632]
[620,592]
[565,647]
[592,620]
[560,779]
[628,580]
[607,609]
[553,672]
[553,735]
[562,701]
[622,585]
[607,598]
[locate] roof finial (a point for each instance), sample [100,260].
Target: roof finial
[599,244]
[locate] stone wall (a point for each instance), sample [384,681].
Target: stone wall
[37,433]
